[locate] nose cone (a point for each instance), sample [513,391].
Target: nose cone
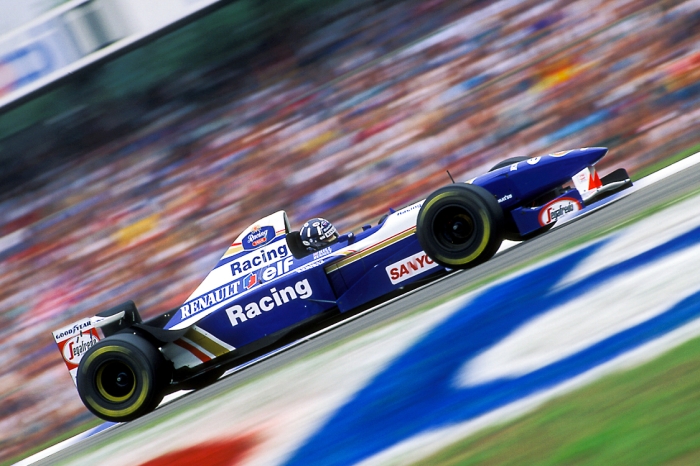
[588,155]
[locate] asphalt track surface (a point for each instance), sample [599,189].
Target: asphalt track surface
[611,215]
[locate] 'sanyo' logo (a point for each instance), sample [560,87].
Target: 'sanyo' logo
[553,211]
[409,267]
[258,237]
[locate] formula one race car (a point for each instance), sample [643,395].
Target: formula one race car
[273,280]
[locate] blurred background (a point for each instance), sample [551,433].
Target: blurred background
[137,142]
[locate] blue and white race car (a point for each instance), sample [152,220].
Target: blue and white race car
[273,280]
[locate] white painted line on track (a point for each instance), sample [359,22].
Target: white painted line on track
[670,170]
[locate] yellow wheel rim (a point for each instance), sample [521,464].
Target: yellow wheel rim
[108,379]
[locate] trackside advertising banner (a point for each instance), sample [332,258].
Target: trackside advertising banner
[37,51]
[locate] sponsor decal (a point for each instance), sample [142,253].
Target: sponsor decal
[410,208]
[76,329]
[277,269]
[322,252]
[409,267]
[309,266]
[227,292]
[210,299]
[259,236]
[533,160]
[259,259]
[241,313]
[505,198]
[557,209]
[73,341]
[75,347]
[514,167]
[250,281]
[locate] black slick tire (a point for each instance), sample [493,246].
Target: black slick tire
[460,226]
[122,377]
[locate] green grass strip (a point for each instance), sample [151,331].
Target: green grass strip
[665,162]
[645,416]
[49,443]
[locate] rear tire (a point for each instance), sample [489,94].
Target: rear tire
[460,226]
[122,377]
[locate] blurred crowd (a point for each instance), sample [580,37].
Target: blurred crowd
[364,114]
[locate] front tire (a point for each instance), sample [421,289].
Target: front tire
[122,377]
[460,226]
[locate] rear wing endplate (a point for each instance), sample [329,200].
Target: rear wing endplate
[73,342]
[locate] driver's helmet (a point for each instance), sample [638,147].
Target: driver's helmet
[318,233]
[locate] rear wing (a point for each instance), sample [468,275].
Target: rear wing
[73,342]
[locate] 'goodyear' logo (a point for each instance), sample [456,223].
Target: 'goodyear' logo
[74,330]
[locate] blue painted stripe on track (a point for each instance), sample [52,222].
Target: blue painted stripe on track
[418,392]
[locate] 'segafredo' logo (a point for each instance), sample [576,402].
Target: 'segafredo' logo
[74,348]
[258,237]
[556,209]
[259,259]
[300,290]
[409,267]
[74,330]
